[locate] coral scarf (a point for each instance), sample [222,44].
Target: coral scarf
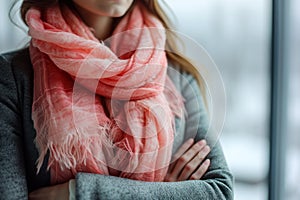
[100,109]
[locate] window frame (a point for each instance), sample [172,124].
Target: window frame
[278,108]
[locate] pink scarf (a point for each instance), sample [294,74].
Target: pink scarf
[98,109]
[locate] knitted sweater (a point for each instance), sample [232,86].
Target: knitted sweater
[18,153]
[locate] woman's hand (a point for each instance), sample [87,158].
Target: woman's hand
[189,163]
[55,192]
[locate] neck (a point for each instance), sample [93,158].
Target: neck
[101,25]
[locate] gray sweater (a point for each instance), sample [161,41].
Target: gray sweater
[18,153]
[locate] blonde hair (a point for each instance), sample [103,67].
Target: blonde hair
[173,52]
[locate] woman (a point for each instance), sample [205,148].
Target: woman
[101,120]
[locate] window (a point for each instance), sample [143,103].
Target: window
[237,35]
[292,169]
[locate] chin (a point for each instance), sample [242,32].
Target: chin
[117,13]
[108,8]
[117,8]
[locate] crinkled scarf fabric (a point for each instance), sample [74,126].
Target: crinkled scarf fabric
[105,108]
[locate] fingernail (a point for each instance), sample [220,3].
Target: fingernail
[207,148]
[207,161]
[189,141]
[202,142]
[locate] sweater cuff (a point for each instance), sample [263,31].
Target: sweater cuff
[72,189]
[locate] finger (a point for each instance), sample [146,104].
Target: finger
[171,167]
[186,157]
[180,152]
[183,149]
[201,171]
[194,164]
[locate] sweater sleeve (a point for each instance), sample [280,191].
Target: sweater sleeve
[12,173]
[217,183]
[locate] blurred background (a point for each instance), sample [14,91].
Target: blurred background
[237,35]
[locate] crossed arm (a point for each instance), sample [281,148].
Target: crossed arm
[189,165]
[198,173]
